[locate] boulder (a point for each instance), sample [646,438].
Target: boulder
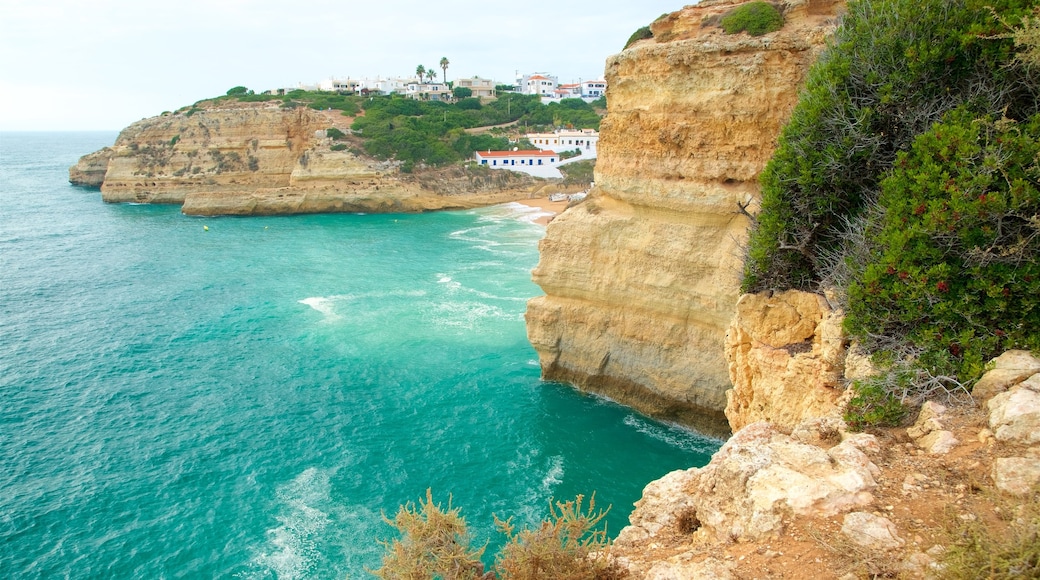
[759,477]
[1014,415]
[1017,475]
[1010,368]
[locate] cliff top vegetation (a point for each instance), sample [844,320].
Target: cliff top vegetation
[908,179]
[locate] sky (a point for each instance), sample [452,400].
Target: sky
[74,65]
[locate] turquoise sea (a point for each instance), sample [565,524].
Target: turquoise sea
[246,401]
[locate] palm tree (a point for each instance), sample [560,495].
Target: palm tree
[444,67]
[430,74]
[421,72]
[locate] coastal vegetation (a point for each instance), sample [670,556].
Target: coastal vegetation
[755,18]
[433,542]
[908,179]
[641,33]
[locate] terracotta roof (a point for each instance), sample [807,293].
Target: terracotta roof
[539,153]
[575,85]
[537,77]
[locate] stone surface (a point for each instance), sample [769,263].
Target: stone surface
[230,158]
[1010,368]
[938,442]
[759,477]
[928,419]
[1015,414]
[870,531]
[641,280]
[785,354]
[1017,475]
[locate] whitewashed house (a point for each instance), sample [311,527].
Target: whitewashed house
[567,140]
[593,90]
[538,163]
[541,84]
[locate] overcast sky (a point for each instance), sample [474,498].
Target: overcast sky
[103,64]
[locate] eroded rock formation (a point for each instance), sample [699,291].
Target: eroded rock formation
[786,355]
[641,280]
[231,158]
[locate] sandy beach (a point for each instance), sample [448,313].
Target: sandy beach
[544,204]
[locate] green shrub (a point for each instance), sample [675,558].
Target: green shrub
[338,147]
[875,405]
[640,34]
[953,268]
[334,133]
[755,18]
[895,67]
[239,90]
[462,92]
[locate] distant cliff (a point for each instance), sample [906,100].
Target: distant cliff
[642,279]
[230,158]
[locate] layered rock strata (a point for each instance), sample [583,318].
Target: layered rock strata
[641,280]
[230,158]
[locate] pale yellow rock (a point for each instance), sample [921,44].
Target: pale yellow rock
[757,478]
[1010,368]
[642,279]
[785,354]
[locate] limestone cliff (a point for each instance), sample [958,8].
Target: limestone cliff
[641,280]
[231,158]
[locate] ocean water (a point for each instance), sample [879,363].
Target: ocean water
[247,400]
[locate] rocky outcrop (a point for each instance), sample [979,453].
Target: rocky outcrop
[641,280]
[750,491]
[1014,419]
[231,158]
[786,355]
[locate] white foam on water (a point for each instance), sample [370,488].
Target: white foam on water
[554,475]
[672,434]
[292,549]
[469,315]
[323,305]
[447,280]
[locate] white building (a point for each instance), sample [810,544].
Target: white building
[567,140]
[428,91]
[334,85]
[593,89]
[537,84]
[537,163]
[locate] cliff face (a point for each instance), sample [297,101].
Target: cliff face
[642,279]
[230,158]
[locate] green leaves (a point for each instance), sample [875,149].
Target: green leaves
[955,267]
[755,18]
